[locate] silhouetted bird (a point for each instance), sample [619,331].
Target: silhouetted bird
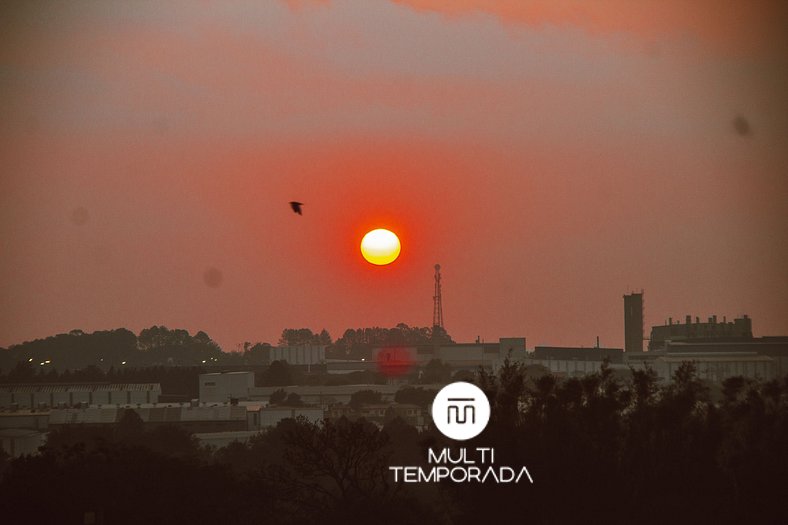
[296,206]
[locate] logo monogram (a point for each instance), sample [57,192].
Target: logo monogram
[455,408]
[460,411]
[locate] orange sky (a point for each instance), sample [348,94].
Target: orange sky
[549,155]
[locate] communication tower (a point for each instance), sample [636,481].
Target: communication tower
[437,309]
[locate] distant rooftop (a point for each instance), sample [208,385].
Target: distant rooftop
[78,387]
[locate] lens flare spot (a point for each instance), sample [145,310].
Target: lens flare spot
[394,361]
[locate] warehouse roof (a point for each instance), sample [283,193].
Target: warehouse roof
[79,387]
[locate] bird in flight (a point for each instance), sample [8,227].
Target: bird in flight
[296,206]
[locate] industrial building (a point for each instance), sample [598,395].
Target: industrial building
[346,366]
[775,348]
[324,395]
[720,349]
[738,330]
[570,367]
[221,387]
[712,364]
[715,367]
[575,361]
[300,355]
[633,322]
[459,356]
[54,394]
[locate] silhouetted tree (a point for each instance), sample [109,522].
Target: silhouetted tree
[304,336]
[335,471]
[257,354]
[278,374]
[324,337]
[22,372]
[278,397]
[415,396]
[293,400]
[130,428]
[155,346]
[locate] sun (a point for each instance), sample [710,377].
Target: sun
[380,247]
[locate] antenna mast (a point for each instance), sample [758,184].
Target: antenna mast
[437,309]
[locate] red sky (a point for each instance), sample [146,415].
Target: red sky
[549,155]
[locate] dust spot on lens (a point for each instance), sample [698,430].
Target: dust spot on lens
[394,361]
[212,277]
[742,126]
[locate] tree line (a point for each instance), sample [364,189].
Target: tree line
[155,346]
[161,346]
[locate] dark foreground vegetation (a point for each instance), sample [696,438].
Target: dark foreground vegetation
[599,451]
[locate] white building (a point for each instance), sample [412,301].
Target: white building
[298,355]
[220,387]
